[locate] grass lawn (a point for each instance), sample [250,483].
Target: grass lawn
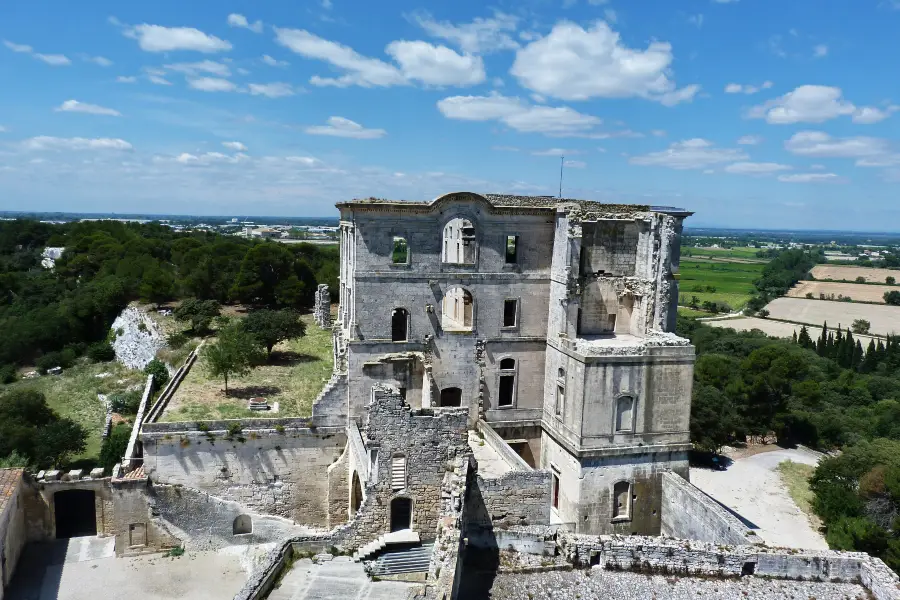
[732,281]
[740,252]
[684,311]
[294,377]
[796,478]
[74,394]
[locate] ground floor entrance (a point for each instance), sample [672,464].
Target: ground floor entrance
[76,513]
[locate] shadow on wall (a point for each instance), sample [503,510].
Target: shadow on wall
[481,560]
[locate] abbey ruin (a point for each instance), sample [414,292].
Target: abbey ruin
[506,380]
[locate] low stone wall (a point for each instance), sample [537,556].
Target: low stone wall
[263,579]
[495,442]
[133,456]
[224,424]
[515,499]
[690,514]
[162,401]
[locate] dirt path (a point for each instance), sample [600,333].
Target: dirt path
[752,487]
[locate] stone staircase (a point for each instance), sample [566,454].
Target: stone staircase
[409,560]
[394,538]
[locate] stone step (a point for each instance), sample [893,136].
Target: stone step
[404,536]
[411,560]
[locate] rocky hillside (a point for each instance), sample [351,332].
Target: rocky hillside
[138,338]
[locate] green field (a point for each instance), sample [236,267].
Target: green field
[732,281]
[743,252]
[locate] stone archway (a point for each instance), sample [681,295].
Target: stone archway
[355,495]
[75,513]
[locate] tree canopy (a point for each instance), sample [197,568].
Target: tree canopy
[272,326]
[30,428]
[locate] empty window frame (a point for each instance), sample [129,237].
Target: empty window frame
[554,490]
[398,472]
[510,312]
[459,242]
[506,392]
[560,392]
[399,325]
[399,251]
[457,310]
[512,249]
[625,414]
[622,500]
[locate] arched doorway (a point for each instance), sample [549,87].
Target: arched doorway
[451,397]
[76,513]
[355,494]
[401,514]
[242,524]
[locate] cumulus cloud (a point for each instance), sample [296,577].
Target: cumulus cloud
[198,68]
[481,36]
[44,142]
[521,116]
[341,127]
[271,90]
[812,178]
[573,63]
[156,38]
[869,115]
[436,65]
[84,107]
[820,144]
[750,140]
[756,168]
[236,20]
[272,62]
[236,146]
[738,88]
[814,104]
[690,154]
[212,84]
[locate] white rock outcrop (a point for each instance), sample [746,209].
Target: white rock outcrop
[140,338]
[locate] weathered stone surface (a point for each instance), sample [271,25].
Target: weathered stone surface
[688,513]
[140,338]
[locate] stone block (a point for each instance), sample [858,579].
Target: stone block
[97,473]
[74,474]
[52,475]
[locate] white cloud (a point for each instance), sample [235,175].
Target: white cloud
[212,84]
[99,60]
[341,127]
[272,62]
[868,115]
[21,48]
[236,20]
[577,64]
[237,146]
[690,154]
[812,178]
[658,132]
[56,60]
[44,142]
[815,104]
[575,164]
[198,68]
[308,161]
[755,168]
[820,51]
[156,38]
[158,79]
[555,152]
[518,115]
[481,36]
[126,79]
[750,140]
[271,90]
[820,144]
[83,107]
[737,88]
[436,65]
[207,158]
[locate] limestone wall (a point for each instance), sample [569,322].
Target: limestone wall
[282,472]
[517,498]
[13,534]
[690,514]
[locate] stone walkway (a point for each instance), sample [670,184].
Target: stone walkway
[337,579]
[490,464]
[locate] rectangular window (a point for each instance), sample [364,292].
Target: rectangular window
[554,483]
[507,390]
[398,473]
[400,251]
[512,249]
[560,399]
[510,310]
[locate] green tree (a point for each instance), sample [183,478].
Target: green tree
[58,440]
[861,326]
[157,286]
[114,446]
[892,298]
[890,280]
[233,355]
[272,326]
[199,313]
[159,371]
[265,266]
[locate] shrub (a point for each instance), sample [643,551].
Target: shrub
[860,279]
[890,280]
[892,297]
[159,371]
[101,352]
[762,313]
[176,340]
[64,358]
[114,446]
[809,295]
[7,373]
[126,403]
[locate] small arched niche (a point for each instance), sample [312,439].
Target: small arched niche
[242,525]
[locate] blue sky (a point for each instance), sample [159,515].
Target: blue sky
[753,113]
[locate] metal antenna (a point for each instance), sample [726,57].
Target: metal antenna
[562,160]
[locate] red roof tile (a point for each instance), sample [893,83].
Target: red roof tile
[9,482]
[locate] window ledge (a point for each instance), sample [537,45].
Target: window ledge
[400,265]
[620,519]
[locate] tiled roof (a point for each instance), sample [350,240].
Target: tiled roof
[9,481]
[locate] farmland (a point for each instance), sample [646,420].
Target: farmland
[884,319]
[845,273]
[775,328]
[858,292]
[744,253]
[732,282]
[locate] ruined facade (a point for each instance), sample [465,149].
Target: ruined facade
[549,319]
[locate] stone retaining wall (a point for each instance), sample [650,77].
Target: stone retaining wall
[690,514]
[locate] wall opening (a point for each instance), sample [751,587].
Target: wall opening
[399,325]
[625,414]
[507,388]
[398,472]
[459,242]
[560,391]
[242,524]
[76,513]
[510,312]
[451,397]
[622,500]
[512,249]
[399,251]
[355,494]
[554,490]
[137,534]
[401,514]
[626,310]
[748,568]
[457,310]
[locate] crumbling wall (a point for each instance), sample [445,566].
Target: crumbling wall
[339,490]
[517,498]
[13,532]
[446,569]
[322,308]
[690,514]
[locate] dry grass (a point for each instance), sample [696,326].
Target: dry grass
[776,328]
[859,292]
[847,273]
[884,319]
[796,479]
[296,374]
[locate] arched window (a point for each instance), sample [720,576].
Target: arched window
[457,310]
[399,325]
[507,390]
[242,524]
[625,413]
[560,392]
[622,500]
[459,242]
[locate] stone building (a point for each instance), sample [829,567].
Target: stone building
[12,523]
[550,320]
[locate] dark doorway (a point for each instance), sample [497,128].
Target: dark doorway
[355,495]
[399,323]
[76,514]
[451,397]
[401,514]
